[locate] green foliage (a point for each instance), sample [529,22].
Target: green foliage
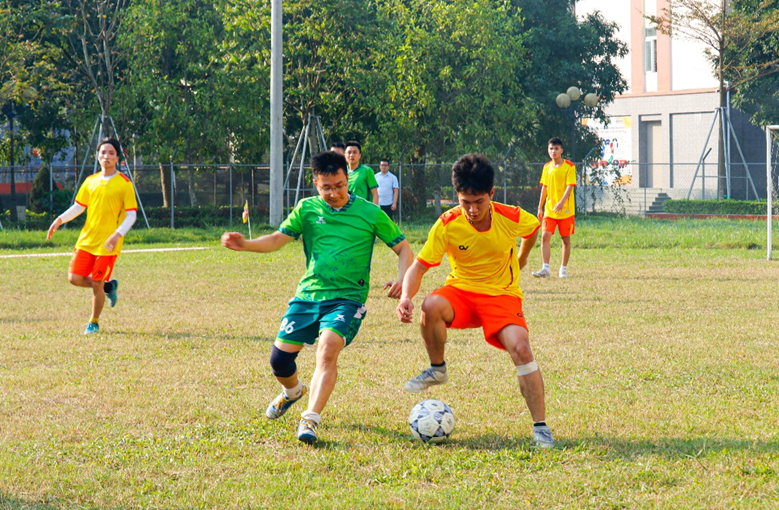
[40,191]
[714,207]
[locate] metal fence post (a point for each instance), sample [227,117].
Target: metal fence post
[231,195]
[172,195]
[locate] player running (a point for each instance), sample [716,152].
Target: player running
[556,208]
[480,239]
[338,231]
[109,199]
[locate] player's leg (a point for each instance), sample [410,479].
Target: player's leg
[531,384]
[339,323]
[567,227]
[438,313]
[298,327]
[546,248]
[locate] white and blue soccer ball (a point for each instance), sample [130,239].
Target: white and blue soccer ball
[431,421]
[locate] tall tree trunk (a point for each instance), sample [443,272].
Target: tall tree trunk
[165,184]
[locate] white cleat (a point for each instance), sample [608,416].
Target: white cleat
[426,379]
[542,273]
[563,273]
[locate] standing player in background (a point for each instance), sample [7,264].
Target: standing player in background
[338,231]
[388,189]
[480,239]
[556,208]
[361,179]
[109,199]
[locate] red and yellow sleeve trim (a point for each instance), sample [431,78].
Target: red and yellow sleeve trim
[82,205]
[533,232]
[426,263]
[133,209]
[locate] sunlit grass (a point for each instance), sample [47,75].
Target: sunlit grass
[660,369]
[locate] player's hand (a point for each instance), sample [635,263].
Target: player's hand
[395,289]
[522,262]
[559,207]
[405,310]
[233,240]
[540,214]
[53,228]
[112,241]
[394,207]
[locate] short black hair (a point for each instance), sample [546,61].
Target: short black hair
[113,142]
[328,163]
[384,160]
[354,143]
[337,145]
[473,173]
[554,141]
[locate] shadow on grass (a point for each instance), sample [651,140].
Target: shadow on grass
[187,336]
[609,447]
[15,503]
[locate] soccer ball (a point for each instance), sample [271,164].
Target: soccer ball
[431,421]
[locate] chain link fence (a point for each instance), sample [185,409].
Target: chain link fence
[174,195]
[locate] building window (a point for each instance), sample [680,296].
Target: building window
[650,55]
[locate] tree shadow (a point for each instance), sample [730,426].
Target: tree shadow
[179,335]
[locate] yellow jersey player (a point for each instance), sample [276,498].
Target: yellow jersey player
[109,199]
[480,239]
[556,208]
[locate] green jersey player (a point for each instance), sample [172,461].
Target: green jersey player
[338,231]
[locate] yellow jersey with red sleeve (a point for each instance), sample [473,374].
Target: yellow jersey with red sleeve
[481,262]
[556,180]
[107,202]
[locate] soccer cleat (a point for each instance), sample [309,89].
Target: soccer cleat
[281,403]
[92,327]
[307,431]
[542,273]
[563,272]
[112,297]
[426,379]
[542,437]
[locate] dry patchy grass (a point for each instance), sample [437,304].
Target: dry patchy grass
[660,368]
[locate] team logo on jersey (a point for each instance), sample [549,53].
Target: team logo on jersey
[340,317]
[463,248]
[321,220]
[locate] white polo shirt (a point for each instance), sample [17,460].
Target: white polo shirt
[387,183]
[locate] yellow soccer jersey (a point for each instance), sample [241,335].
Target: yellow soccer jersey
[482,262]
[556,181]
[107,203]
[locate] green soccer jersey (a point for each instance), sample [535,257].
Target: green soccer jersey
[362,181]
[339,246]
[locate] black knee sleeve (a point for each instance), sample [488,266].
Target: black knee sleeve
[283,363]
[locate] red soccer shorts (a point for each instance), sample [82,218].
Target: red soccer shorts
[85,264]
[566,226]
[491,313]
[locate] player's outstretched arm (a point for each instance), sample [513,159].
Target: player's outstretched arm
[525,247]
[265,244]
[73,212]
[411,283]
[405,259]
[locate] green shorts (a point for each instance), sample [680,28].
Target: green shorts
[305,320]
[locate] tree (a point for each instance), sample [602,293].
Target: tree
[757,66]
[564,52]
[730,35]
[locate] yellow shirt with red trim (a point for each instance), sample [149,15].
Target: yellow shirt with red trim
[107,203]
[482,262]
[556,180]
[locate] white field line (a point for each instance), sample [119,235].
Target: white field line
[70,253]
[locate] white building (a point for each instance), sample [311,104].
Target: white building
[668,109]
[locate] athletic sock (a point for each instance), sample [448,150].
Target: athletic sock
[294,393]
[546,266]
[311,416]
[108,286]
[540,424]
[439,368]
[564,268]
[93,320]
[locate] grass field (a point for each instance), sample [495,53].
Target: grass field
[660,357]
